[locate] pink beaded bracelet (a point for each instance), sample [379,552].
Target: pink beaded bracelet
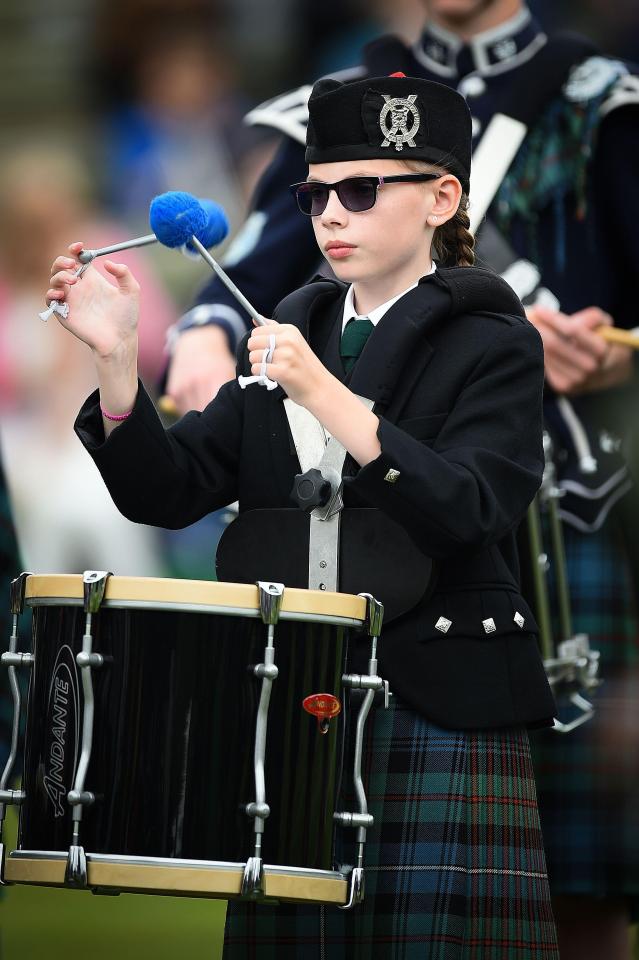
[113,416]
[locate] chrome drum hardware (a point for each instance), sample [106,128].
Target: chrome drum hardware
[95,582]
[370,682]
[13,659]
[571,666]
[270,595]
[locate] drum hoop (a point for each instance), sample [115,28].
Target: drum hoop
[207,596]
[175,862]
[195,608]
[164,875]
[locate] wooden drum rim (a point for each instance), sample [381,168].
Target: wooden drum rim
[50,589]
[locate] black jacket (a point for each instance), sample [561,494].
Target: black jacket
[456,373]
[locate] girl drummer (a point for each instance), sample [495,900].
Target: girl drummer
[450,453]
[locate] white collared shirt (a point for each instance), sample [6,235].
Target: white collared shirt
[375,315]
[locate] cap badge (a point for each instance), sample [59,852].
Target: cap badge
[394,119]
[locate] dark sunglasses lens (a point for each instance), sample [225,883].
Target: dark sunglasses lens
[312,199]
[357,194]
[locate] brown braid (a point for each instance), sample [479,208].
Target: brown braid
[453,242]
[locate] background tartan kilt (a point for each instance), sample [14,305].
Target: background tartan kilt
[588,780]
[455,868]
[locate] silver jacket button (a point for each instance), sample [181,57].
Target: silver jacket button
[392,475]
[443,625]
[489,625]
[472,86]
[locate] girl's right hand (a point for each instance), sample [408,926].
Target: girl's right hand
[101,314]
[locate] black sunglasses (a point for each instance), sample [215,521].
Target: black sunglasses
[355,193]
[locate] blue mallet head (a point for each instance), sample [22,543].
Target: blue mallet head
[215,229]
[175,217]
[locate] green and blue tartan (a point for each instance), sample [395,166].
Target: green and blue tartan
[455,867]
[588,780]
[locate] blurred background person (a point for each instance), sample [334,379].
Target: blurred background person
[65,522]
[174,117]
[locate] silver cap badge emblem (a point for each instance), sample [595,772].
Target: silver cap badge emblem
[394,119]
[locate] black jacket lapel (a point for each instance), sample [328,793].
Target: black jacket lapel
[325,338]
[398,350]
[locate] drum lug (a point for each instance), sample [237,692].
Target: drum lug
[365,820]
[259,811]
[17,592]
[356,888]
[95,583]
[76,872]
[253,878]
[265,671]
[84,799]
[93,660]
[13,659]
[372,683]
[270,595]
[15,797]
[17,659]
[374,614]
[3,852]
[357,681]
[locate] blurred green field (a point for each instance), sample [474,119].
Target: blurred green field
[39,923]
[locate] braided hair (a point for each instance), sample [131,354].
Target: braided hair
[453,242]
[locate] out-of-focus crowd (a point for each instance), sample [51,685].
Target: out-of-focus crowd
[103,106]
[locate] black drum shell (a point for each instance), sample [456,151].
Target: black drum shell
[172,763]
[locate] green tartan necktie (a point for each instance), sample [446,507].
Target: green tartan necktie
[356,333]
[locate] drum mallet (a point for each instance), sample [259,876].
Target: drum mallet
[177,219]
[218,225]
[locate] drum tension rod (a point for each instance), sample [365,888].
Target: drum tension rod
[372,683]
[270,596]
[95,582]
[12,659]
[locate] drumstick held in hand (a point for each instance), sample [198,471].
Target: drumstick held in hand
[628,338]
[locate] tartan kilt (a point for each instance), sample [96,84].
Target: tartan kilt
[454,865]
[588,780]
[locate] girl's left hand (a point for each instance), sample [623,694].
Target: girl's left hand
[294,365]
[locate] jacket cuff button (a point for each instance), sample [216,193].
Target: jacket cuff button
[392,475]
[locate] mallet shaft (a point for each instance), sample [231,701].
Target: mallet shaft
[628,338]
[86,256]
[228,283]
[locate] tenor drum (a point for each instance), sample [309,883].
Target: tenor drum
[174,759]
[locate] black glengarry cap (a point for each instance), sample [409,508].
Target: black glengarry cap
[395,118]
